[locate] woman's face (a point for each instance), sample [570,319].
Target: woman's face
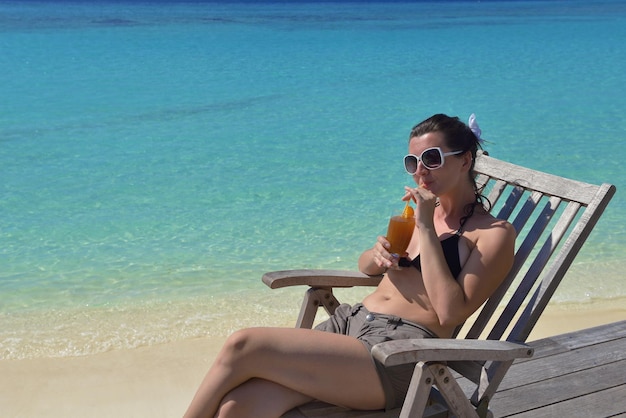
[441,179]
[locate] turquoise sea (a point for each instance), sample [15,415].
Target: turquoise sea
[157,157]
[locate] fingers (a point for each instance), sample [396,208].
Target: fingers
[382,257]
[416,193]
[419,195]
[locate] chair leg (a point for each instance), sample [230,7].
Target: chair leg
[456,399]
[313,298]
[308,309]
[328,300]
[419,391]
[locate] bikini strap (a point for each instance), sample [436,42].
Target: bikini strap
[470,213]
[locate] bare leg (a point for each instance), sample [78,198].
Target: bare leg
[260,398]
[320,365]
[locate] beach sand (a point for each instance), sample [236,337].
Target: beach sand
[159,381]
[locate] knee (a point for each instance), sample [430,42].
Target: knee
[231,407]
[237,346]
[236,404]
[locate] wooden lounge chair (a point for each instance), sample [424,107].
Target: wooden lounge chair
[553,216]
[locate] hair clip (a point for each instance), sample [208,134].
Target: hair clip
[473,125]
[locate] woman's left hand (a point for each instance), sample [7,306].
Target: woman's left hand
[425,202]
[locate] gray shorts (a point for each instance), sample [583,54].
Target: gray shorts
[373,328]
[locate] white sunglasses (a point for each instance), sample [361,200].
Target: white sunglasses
[431,158]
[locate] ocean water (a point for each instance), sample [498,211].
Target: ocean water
[157,157]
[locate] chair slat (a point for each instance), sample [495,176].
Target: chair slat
[544,255]
[521,255]
[496,192]
[510,204]
[533,272]
[563,261]
[527,210]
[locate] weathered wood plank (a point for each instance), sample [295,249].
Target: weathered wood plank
[561,389]
[397,352]
[603,404]
[319,278]
[578,339]
[594,335]
[565,364]
[598,340]
[546,183]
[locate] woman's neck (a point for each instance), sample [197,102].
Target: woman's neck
[453,207]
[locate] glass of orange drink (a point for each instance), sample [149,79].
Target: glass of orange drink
[400,231]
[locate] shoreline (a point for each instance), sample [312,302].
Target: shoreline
[160,380]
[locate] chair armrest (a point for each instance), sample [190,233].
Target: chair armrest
[319,278]
[397,352]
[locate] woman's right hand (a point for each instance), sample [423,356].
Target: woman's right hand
[381,255]
[378,259]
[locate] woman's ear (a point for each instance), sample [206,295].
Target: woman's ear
[467,161]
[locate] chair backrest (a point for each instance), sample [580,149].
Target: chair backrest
[549,238]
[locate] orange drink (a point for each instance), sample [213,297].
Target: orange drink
[400,231]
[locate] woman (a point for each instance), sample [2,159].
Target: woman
[466,253]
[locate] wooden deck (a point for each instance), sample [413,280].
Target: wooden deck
[580,374]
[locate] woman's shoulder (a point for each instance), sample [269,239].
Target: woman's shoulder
[492,221]
[485,224]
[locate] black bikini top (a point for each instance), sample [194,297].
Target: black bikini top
[450,247]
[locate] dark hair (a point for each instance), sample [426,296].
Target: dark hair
[458,137]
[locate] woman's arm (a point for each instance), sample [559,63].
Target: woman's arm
[455,299]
